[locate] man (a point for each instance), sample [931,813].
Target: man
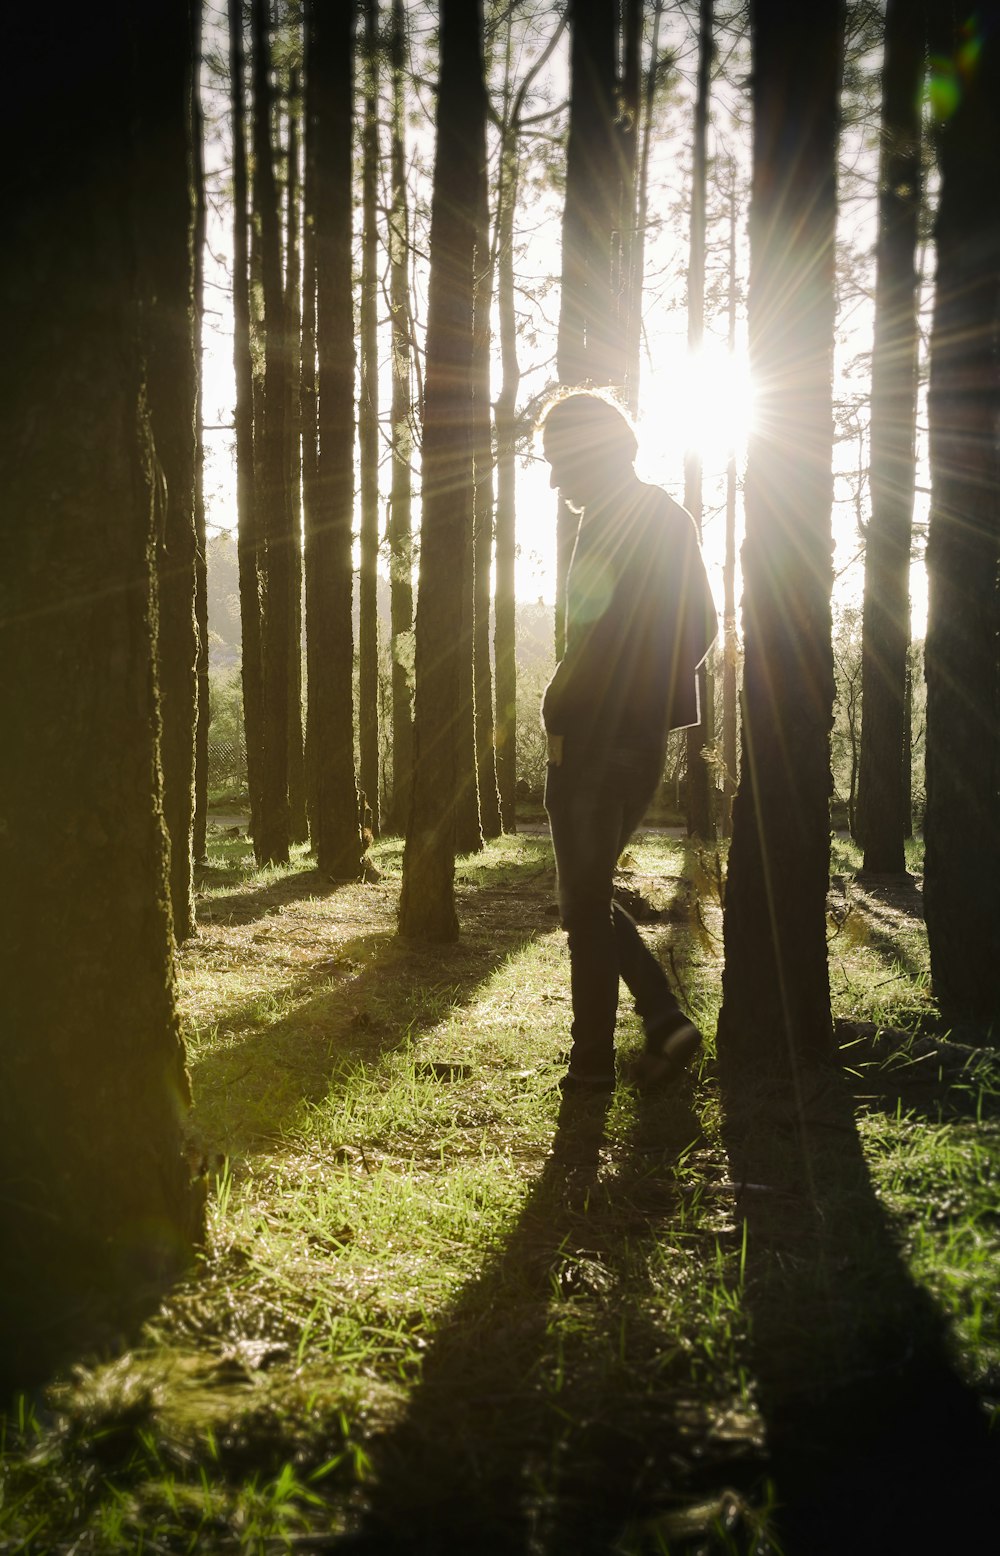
[639,620]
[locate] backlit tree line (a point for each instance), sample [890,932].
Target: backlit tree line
[102,576]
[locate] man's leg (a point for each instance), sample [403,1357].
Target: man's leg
[585,820]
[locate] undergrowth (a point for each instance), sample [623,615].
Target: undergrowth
[441,1309]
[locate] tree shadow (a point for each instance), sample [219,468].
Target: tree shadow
[876,1444]
[255,1074]
[528,1430]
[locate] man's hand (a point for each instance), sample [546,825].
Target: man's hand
[555,743]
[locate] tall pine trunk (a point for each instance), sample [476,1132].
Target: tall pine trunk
[885,631]
[200,822]
[427,905]
[776,994]
[637,247]
[400,536]
[730,642]
[271,833]
[336,832]
[98,1211]
[482,539]
[248,531]
[962,831]
[368,425]
[505,413]
[171,380]
[699,797]
[587,348]
[298,826]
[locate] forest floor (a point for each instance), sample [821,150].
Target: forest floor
[443,1310]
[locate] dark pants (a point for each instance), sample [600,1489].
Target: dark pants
[594,803]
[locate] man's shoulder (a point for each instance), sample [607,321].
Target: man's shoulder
[667,518]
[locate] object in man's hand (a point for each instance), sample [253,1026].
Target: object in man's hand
[555,749]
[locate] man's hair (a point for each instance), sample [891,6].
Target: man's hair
[586,422]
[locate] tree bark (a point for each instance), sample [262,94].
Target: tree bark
[962,862]
[482,537]
[200,823]
[699,806]
[400,524]
[98,1211]
[368,425]
[637,253]
[298,826]
[885,629]
[166,220]
[776,995]
[427,906]
[730,649]
[587,348]
[329,565]
[248,532]
[506,434]
[271,834]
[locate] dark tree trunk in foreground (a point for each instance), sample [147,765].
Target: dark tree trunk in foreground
[588,348]
[776,995]
[308,405]
[200,826]
[329,565]
[166,228]
[248,535]
[271,833]
[962,824]
[298,826]
[885,633]
[400,535]
[427,905]
[699,806]
[368,427]
[97,1207]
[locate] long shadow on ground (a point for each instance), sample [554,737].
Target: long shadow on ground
[533,1427]
[876,1446]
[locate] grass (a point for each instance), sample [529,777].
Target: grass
[440,1310]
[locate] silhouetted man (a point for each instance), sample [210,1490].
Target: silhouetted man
[639,620]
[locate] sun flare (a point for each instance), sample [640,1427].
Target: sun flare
[702,402]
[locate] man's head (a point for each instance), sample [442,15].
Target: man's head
[590,445]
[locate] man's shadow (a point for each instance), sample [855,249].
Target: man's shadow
[876,1445]
[509,1444]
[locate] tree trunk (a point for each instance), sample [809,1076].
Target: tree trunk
[200,823]
[962,864]
[400,530]
[699,806]
[271,834]
[165,235]
[298,826]
[329,562]
[368,426]
[628,146]
[309,410]
[730,649]
[98,1211]
[776,996]
[248,533]
[482,538]
[885,636]
[506,538]
[427,906]
[637,253]
[587,349]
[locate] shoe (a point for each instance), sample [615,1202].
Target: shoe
[667,1052]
